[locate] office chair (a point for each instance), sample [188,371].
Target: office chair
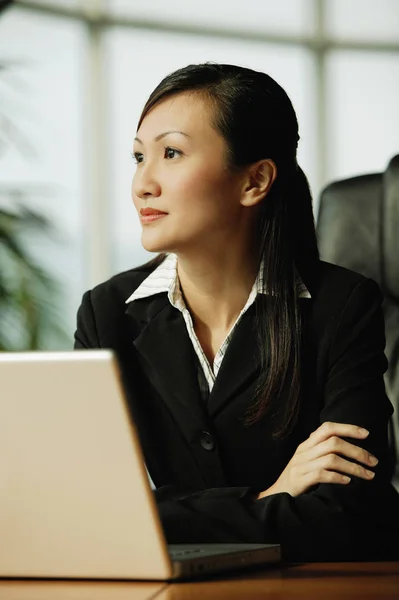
[358,228]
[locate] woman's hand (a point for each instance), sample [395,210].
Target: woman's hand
[320,459]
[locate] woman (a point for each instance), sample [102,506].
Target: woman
[254,371]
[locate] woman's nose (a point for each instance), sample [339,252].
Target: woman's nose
[145,184]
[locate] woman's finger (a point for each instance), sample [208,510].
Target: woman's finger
[324,476]
[332,462]
[329,429]
[335,445]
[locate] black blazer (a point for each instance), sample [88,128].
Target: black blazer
[207,464]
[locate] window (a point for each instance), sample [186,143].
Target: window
[41,158]
[363,20]
[75,85]
[362,110]
[294,17]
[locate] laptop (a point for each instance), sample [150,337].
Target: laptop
[75,499]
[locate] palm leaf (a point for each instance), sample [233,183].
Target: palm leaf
[28,294]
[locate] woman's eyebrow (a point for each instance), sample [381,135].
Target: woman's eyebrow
[162,135]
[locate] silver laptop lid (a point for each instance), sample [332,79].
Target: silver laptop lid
[97,519]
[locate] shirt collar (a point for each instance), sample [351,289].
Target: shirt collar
[164,279]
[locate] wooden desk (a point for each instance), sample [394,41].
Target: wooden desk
[327,581]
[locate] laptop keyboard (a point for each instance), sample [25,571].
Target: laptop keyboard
[185,552]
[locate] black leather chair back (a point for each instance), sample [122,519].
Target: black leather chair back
[358,228]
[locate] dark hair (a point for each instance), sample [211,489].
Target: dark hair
[256,118]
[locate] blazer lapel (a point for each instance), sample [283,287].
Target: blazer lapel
[168,359]
[239,365]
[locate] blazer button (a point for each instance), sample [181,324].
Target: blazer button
[207,441]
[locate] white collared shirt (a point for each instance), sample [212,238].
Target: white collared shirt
[165,279]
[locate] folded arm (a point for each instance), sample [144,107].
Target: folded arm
[326,520]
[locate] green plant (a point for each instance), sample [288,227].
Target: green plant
[27,291]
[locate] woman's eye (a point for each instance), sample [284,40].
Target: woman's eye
[171,152]
[138,157]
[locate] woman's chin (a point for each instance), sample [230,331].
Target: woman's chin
[153,245]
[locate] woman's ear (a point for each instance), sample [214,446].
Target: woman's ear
[259,180]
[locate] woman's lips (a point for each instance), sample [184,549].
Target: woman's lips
[148,215]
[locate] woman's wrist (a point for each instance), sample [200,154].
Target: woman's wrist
[271,490]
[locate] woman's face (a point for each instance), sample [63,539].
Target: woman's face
[185,195]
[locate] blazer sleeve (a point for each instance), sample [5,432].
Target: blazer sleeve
[358,521]
[86,335]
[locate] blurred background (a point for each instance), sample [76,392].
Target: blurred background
[74,75]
